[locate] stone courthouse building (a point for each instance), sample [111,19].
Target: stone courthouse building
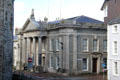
[73,45]
[6,33]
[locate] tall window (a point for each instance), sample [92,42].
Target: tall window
[57,62]
[51,63]
[115,47]
[85,45]
[106,11]
[84,64]
[60,43]
[50,44]
[116,68]
[105,45]
[57,45]
[95,45]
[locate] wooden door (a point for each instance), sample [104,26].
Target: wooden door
[94,65]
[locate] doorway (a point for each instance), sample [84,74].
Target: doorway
[94,69]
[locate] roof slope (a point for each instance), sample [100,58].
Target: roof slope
[115,21]
[85,19]
[79,19]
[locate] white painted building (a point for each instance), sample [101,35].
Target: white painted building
[114,49]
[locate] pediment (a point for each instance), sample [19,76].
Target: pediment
[30,25]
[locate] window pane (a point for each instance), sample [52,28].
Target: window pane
[85,45]
[115,47]
[105,62]
[94,45]
[105,45]
[116,68]
[115,28]
[84,62]
[57,44]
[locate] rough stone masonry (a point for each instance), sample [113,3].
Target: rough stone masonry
[6,37]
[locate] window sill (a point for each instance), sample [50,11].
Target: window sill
[115,54]
[85,70]
[85,51]
[116,74]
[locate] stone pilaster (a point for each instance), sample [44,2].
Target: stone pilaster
[34,50]
[25,48]
[98,65]
[39,50]
[23,51]
[28,48]
[67,51]
[74,53]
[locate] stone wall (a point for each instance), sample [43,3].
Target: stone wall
[6,36]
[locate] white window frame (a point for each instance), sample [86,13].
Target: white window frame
[60,43]
[106,11]
[115,69]
[87,45]
[50,61]
[57,62]
[114,29]
[87,65]
[96,46]
[57,44]
[50,44]
[105,50]
[115,52]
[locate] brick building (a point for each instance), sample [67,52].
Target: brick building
[111,9]
[6,33]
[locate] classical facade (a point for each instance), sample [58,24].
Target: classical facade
[73,45]
[6,33]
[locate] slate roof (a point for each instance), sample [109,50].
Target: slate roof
[85,19]
[79,19]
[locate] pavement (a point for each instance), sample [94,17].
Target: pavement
[54,76]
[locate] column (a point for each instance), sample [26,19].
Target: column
[74,53]
[39,51]
[23,50]
[98,65]
[34,50]
[67,51]
[28,48]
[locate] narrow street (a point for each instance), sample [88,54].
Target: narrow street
[53,76]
